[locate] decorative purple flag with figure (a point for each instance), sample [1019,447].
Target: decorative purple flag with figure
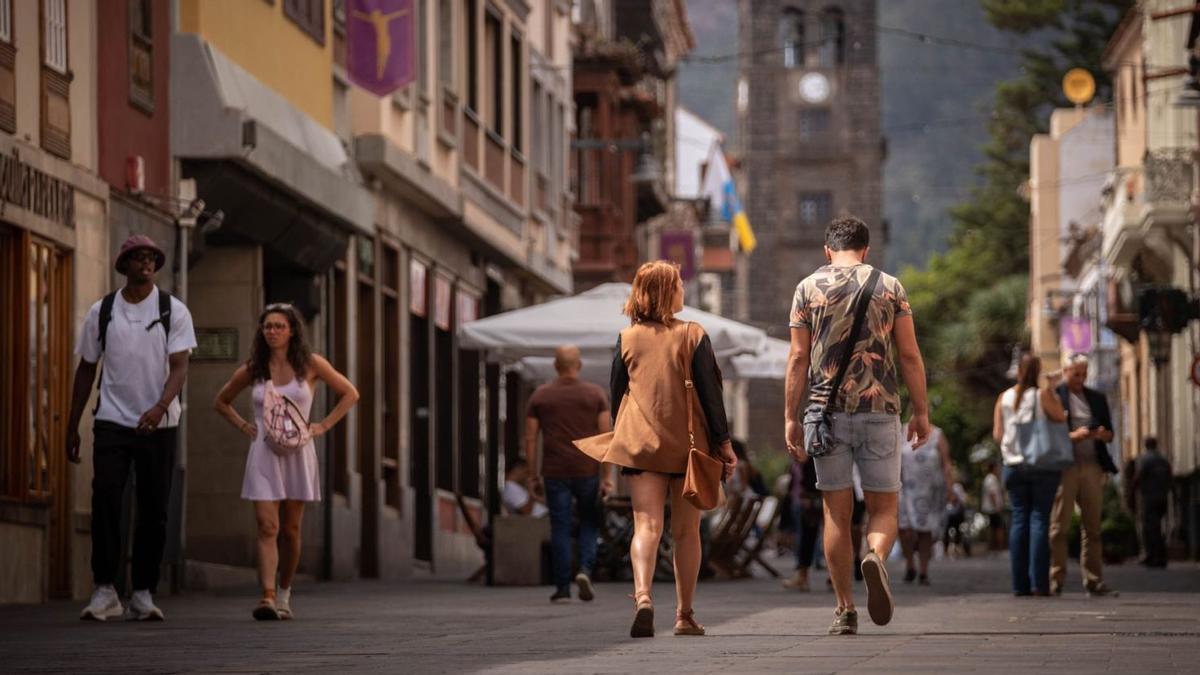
[379,44]
[679,246]
[1076,334]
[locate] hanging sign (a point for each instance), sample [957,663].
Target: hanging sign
[379,44]
[441,302]
[418,295]
[1076,334]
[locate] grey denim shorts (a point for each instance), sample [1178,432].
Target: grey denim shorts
[870,440]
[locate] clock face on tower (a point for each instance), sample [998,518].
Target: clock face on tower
[814,88]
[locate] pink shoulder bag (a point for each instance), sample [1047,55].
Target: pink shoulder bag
[284,426]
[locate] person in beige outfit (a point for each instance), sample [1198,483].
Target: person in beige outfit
[1082,483]
[650,442]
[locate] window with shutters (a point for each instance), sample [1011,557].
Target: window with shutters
[309,16]
[8,70]
[816,208]
[55,80]
[141,55]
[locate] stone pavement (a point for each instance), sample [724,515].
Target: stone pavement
[965,622]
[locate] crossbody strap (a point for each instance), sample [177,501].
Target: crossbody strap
[689,385]
[862,302]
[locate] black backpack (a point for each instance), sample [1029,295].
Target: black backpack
[106,311]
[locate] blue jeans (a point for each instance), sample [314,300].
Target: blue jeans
[1031,495]
[559,492]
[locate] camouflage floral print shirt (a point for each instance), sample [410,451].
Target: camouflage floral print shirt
[823,303]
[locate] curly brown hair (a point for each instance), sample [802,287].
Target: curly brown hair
[653,294]
[298,353]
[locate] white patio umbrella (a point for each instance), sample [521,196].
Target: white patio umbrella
[591,321]
[770,363]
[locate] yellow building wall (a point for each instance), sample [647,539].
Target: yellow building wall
[260,38]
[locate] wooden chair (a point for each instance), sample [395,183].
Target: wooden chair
[767,518]
[731,533]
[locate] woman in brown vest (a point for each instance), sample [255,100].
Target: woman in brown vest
[650,433]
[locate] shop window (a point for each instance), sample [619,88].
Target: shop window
[418,397]
[443,383]
[390,297]
[55,80]
[367,362]
[337,440]
[309,16]
[141,55]
[35,299]
[471,391]
[791,37]
[832,50]
[8,72]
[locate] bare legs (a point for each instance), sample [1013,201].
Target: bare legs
[920,544]
[882,509]
[649,492]
[278,548]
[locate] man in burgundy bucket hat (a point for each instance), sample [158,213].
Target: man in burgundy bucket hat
[139,242]
[144,337]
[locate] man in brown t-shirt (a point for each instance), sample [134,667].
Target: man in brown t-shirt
[565,410]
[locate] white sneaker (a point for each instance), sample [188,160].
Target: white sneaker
[104,605]
[142,608]
[283,603]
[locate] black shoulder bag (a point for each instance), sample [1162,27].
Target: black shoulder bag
[818,419]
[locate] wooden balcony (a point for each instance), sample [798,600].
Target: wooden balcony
[470,139]
[494,153]
[516,186]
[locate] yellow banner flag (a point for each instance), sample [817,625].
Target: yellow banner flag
[745,234]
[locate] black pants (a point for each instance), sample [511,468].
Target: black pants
[1153,542]
[153,459]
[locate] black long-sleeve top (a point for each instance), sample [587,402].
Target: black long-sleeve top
[705,375]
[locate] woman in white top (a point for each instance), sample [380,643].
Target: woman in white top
[1030,491]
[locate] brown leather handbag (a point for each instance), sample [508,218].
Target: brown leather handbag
[702,482]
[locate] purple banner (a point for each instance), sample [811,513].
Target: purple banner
[1076,334]
[379,44]
[679,246]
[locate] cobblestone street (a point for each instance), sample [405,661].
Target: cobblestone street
[965,622]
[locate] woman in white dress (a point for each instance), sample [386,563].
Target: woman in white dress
[924,473]
[281,484]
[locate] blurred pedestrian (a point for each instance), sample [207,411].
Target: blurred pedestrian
[853,417]
[516,496]
[925,472]
[563,410]
[1152,481]
[1030,490]
[281,467]
[805,502]
[991,504]
[1082,483]
[654,409]
[955,541]
[145,337]
[746,479]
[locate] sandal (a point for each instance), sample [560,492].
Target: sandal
[265,611]
[643,616]
[685,624]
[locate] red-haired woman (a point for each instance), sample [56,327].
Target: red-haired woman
[650,442]
[281,484]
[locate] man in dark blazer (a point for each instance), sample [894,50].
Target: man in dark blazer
[1082,483]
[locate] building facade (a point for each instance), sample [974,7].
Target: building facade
[388,221]
[811,148]
[54,260]
[623,159]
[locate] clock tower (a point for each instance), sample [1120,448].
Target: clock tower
[811,149]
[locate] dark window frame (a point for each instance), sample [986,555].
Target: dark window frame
[141,40]
[310,22]
[54,140]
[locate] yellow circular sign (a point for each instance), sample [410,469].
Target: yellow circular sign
[1079,86]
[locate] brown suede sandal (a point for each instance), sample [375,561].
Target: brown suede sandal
[643,616]
[266,611]
[685,623]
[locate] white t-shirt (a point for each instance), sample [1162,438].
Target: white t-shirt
[135,359]
[1010,415]
[515,497]
[992,499]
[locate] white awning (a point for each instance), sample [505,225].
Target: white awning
[768,364]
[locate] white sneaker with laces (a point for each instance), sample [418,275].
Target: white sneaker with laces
[104,605]
[142,608]
[283,603]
